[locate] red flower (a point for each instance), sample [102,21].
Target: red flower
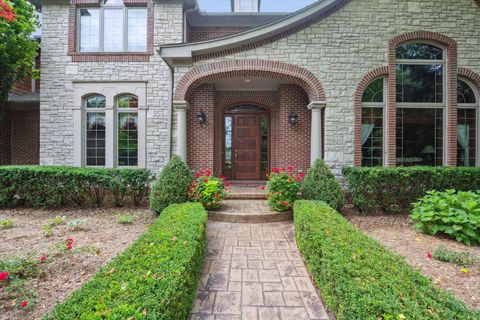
[284,203]
[429,255]
[43,258]
[201,172]
[223,178]
[290,168]
[3,275]
[301,174]
[24,303]
[70,239]
[205,180]
[282,169]
[6,12]
[227,184]
[69,243]
[262,187]
[298,178]
[276,170]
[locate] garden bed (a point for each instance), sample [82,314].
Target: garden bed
[396,233]
[100,239]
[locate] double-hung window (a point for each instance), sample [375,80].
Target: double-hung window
[112,27]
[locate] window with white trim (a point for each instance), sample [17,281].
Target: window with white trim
[421,102]
[95,130]
[467,123]
[112,27]
[373,108]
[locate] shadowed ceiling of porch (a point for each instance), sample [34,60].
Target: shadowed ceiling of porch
[248,84]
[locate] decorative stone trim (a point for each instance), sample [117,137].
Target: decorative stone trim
[451,123]
[250,68]
[468,74]
[372,75]
[108,56]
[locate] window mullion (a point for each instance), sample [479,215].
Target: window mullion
[125,30]
[102,30]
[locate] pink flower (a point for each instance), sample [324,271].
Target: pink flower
[429,255]
[3,275]
[290,168]
[43,258]
[301,174]
[24,303]
[223,178]
[298,179]
[262,187]
[227,184]
[205,180]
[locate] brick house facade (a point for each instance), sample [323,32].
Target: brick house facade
[244,92]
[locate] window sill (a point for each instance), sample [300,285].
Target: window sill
[110,56]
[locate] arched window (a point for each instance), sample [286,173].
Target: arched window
[466,125]
[127,131]
[373,106]
[95,130]
[420,96]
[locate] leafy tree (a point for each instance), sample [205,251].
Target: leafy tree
[18,20]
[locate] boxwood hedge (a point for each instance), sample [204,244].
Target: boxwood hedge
[43,186]
[155,278]
[393,190]
[360,279]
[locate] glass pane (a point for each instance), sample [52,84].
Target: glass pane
[246,6]
[465,93]
[89,30]
[419,137]
[246,108]
[127,139]
[419,83]
[113,30]
[95,102]
[372,137]
[228,144]
[264,146]
[95,143]
[466,137]
[113,2]
[137,29]
[374,91]
[127,102]
[419,51]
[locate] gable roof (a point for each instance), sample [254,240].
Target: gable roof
[187,52]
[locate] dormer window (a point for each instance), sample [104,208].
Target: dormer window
[245,5]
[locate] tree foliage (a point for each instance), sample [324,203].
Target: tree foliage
[17,49]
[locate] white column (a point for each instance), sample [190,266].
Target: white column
[181,108]
[316,130]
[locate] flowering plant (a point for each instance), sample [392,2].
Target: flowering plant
[283,188]
[6,12]
[4,275]
[207,189]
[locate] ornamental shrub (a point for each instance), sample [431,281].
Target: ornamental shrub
[456,214]
[172,185]
[360,279]
[49,187]
[208,190]
[283,188]
[320,184]
[155,278]
[394,190]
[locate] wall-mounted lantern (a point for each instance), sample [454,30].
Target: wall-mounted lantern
[201,118]
[292,118]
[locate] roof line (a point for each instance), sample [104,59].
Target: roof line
[186,51]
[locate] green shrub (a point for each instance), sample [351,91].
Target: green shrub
[463,259]
[320,184]
[125,219]
[6,224]
[393,190]
[172,185]
[360,279]
[155,278]
[456,214]
[208,190]
[38,186]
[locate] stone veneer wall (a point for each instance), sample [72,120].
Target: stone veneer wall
[59,73]
[342,48]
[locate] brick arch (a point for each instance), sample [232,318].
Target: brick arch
[470,75]
[362,85]
[450,46]
[249,68]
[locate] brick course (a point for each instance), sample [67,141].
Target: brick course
[196,34]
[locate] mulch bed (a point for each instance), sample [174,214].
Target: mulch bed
[398,234]
[101,239]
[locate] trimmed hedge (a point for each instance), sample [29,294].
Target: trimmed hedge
[155,278]
[393,190]
[172,185]
[359,278]
[39,186]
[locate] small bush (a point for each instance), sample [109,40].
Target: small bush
[47,230]
[49,187]
[155,278]
[208,190]
[360,279]
[76,225]
[6,224]
[283,188]
[171,186]
[454,214]
[320,184]
[58,220]
[125,219]
[463,259]
[393,190]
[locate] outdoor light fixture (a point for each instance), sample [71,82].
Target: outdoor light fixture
[201,117]
[292,118]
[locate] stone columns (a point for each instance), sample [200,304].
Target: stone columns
[181,108]
[316,130]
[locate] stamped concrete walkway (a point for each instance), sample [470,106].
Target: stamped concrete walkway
[255,271]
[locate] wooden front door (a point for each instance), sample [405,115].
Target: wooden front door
[247,147]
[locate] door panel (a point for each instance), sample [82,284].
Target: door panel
[247,147]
